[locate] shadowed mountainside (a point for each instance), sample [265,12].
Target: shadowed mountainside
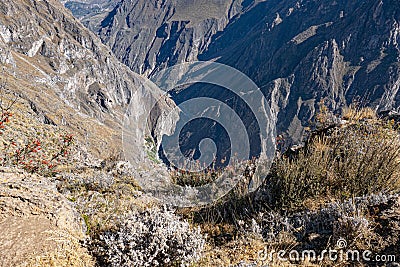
[298,52]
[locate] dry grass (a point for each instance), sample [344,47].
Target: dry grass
[355,160]
[357,114]
[101,196]
[209,174]
[68,252]
[223,214]
[230,254]
[28,144]
[248,249]
[194,179]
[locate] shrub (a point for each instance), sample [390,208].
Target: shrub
[353,160]
[26,145]
[324,117]
[194,179]
[153,237]
[35,157]
[365,223]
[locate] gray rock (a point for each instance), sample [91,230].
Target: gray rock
[37,223]
[152,35]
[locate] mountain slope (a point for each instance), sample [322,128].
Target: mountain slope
[339,51]
[90,12]
[298,52]
[69,77]
[150,35]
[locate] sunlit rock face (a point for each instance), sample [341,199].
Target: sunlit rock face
[70,78]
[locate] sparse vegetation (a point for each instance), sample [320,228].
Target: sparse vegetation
[314,195]
[354,113]
[153,237]
[124,227]
[151,149]
[36,157]
[30,149]
[209,174]
[194,179]
[355,159]
[100,197]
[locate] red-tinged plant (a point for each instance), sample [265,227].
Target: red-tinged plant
[32,158]
[38,154]
[4,119]
[5,105]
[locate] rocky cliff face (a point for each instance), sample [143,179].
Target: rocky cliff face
[90,12]
[298,52]
[150,35]
[70,54]
[65,72]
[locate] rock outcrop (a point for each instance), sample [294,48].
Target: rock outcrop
[35,221]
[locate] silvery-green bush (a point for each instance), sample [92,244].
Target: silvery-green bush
[154,237]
